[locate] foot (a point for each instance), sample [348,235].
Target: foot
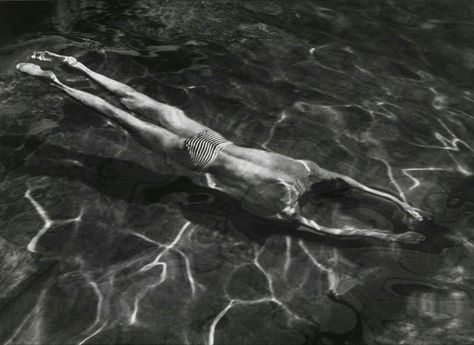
[36,71]
[52,57]
[410,237]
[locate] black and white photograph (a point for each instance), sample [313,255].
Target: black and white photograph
[237,172]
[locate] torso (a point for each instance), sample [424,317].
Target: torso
[266,183]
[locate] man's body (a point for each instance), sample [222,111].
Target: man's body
[267,183]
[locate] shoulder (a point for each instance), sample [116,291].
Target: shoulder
[310,166]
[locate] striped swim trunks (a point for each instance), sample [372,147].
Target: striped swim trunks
[204,147]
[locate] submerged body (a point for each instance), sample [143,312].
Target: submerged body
[266,183]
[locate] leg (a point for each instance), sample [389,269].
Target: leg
[328,175]
[165,115]
[155,138]
[309,225]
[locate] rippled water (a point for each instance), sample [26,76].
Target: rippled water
[128,253]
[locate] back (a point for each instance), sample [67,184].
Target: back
[268,184]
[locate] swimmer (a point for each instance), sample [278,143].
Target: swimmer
[266,183]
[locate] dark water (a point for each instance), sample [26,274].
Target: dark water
[128,253]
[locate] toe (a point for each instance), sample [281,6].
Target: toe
[38,56]
[44,57]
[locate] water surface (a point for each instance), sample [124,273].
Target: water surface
[127,252]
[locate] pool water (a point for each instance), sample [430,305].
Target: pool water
[101,242]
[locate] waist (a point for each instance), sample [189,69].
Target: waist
[204,148]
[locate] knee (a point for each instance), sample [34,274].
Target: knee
[176,114]
[170,116]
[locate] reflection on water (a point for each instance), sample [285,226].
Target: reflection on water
[102,243]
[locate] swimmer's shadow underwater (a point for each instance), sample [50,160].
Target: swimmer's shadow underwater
[136,184]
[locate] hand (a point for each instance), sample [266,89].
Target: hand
[410,237]
[414,212]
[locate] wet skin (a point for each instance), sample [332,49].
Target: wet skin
[266,183]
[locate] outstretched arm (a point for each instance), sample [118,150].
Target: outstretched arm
[311,226]
[329,175]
